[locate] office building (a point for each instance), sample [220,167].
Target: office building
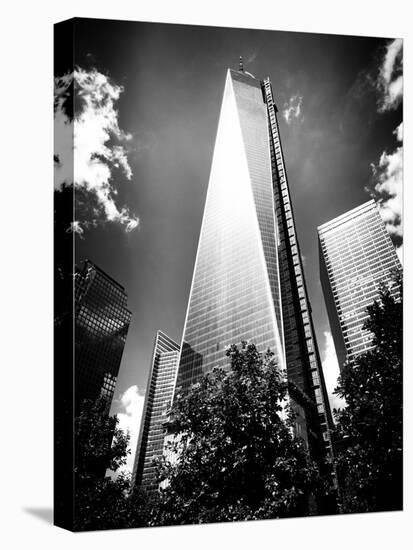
[248,280]
[356,257]
[158,399]
[101,327]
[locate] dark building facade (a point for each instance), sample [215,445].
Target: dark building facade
[91,323]
[101,327]
[248,281]
[356,257]
[159,391]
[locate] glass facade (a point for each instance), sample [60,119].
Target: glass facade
[158,399]
[101,327]
[356,256]
[248,281]
[235,293]
[310,400]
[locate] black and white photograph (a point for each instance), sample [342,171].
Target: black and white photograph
[228,280]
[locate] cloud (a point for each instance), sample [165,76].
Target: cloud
[399,251]
[292,108]
[331,370]
[390,78]
[388,171]
[75,227]
[383,80]
[129,408]
[89,144]
[388,185]
[252,57]
[398,132]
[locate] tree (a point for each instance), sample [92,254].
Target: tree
[101,501]
[236,458]
[370,465]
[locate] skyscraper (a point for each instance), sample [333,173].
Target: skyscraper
[356,256]
[101,327]
[248,281]
[159,390]
[90,328]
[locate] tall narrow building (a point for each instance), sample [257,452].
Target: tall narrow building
[158,399]
[356,256]
[101,326]
[248,281]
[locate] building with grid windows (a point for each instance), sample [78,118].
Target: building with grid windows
[101,327]
[356,257]
[159,390]
[248,280]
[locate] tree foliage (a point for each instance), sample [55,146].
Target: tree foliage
[102,501]
[99,443]
[235,456]
[370,428]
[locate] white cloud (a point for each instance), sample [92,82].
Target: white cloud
[399,251]
[129,408]
[89,147]
[390,79]
[75,227]
[388,172]
[388,188]
[251,58]
[331,370]
[398,132]
[63,133]
[292,108]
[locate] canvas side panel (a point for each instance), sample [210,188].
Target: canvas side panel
[63,294]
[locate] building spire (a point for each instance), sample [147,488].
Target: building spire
[241,64]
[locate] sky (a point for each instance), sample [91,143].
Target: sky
[146,111]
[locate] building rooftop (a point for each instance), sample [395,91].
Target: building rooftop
[361,209]
[100,270]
